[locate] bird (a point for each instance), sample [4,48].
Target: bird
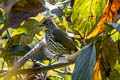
[58,42]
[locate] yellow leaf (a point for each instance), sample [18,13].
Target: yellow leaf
[75,2]
[65,24]
[39,17]
[109,15]
[97,73]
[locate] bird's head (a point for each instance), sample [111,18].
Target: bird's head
[48,23]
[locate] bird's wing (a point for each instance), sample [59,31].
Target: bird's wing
[64,39]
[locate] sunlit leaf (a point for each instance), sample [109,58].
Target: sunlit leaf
[117,66]
[97,73]
[12,41]
[30,26]
[39,17]
[114,75]
[85,64]
[116,35]
[107,27]
[65,22]
[27,31]
[86,13]
[112,27]
[3,18]
[108,15]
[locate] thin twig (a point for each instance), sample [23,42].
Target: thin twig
[38,69]
[59,71]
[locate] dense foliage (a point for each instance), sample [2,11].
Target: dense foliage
[94,25]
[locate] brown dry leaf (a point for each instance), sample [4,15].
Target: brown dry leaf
[21,11]
[109,15]
[97,73]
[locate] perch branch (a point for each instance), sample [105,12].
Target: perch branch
[40,46]
[56,70]
[39,69]
[20,62]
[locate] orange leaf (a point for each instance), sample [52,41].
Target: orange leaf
[97,73]
[109,15]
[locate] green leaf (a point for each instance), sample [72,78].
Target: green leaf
[30,26]
[115,26]
[86,13]
[13,41]
[85,64]
[114,75]
[116,35]
[18,50]
[15,50]
[3,18]
[108,27]
[25,39]
[27,31]
[1,1]
[109,54]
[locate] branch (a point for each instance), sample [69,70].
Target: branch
[20,62]
[41,46]
[59,71]
[39,69]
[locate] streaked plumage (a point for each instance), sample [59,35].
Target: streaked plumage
[57,41]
